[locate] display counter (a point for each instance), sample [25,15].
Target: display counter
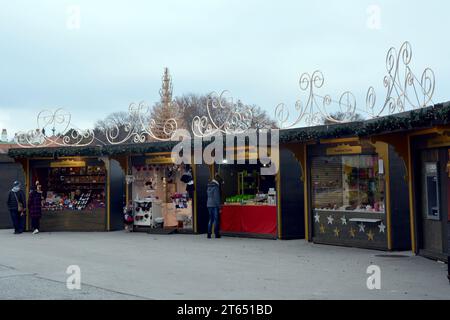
[249,219]
[74,220]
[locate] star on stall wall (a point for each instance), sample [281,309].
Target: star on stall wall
[371,235]
[330,220]
[322,229]
[362,227]
[317,218]
[344,221]
[382,228]
[337,232]
[352,232]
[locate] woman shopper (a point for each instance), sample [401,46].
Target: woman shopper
[35,209]
[17,206]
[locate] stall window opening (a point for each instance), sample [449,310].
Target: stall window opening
[351,183]
[80,188]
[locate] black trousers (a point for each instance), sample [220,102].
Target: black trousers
[35,223]
[18,220]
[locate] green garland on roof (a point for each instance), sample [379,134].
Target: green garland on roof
[55,152]
[138,148]
[423,118]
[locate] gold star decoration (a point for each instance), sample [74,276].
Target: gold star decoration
[336,232]
[352,232]
[370,235]
[322,229]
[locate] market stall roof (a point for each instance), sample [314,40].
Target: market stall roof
[98,150]
[436,115]
[55,152]
[5,146]
[139,148]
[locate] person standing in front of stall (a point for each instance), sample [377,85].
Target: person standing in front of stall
[17,206]
[213,204]
[35,209]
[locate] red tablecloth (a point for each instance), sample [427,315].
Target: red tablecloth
[249,219]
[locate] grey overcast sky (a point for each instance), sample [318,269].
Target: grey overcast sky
[256,49]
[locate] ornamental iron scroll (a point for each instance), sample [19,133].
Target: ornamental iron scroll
[315,110]
[141,125]
[223,116]
[54,128]
[404,92]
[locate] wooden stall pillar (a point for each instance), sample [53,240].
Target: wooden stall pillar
[401,144]
[299,151]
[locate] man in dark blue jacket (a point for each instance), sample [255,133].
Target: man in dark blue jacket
[213,204]
[17,204]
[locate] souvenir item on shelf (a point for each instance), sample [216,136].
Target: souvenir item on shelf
[74,188]
[143,213]
[180,200]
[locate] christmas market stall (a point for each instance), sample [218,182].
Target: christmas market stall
[350,194]
[162,193]
[81,189]
[162,196]
[250,198]
[348,182]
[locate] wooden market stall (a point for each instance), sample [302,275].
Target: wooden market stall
[81,189]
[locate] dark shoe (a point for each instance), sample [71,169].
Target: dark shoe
[218,236]
[16,232]
[209,236]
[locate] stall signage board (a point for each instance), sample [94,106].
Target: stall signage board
[441,141]
[159,160]
[247,156]
[67,164]
[344,149]
[247,152]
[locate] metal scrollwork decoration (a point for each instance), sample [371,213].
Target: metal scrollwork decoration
[142,125]
[315,110]
[223,116]
[54,128]
[404,90]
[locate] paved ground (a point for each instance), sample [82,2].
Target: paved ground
[120,265]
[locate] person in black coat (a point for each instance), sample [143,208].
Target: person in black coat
[35,209]
[17,205]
